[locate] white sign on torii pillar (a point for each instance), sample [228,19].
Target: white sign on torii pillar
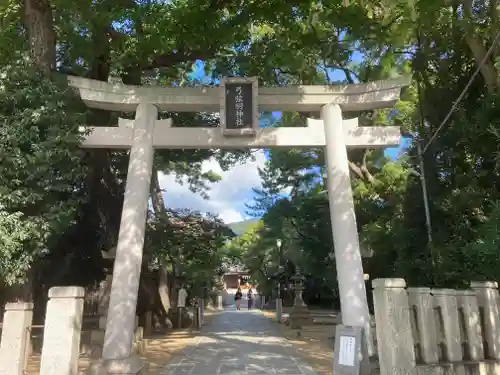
[146,133]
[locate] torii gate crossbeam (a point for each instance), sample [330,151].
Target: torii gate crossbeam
[167,137]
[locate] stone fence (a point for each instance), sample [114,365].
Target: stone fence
[62,336]
[62,332]
[424,331]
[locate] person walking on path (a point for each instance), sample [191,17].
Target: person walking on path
[250,298]
[237,297]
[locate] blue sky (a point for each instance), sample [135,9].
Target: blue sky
[229,196]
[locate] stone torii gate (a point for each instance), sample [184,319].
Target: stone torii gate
[146,133]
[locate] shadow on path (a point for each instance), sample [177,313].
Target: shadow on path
[239,343]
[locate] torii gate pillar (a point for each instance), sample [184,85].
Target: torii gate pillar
[117,355]
[350,276]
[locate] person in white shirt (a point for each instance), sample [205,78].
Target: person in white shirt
[181,297]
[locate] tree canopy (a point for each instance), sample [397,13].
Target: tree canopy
[60,205]
[461,164]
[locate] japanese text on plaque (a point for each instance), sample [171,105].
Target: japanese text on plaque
[239,107]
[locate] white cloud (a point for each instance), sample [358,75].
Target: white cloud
[286,191]
[227,197]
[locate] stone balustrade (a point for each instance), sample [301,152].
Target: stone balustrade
[424,331]
[61,338]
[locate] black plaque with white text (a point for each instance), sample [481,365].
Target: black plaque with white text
[238,105]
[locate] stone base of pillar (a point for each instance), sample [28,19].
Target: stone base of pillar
[148,323]
[181,318]
[139,345]
[96,342]
[269,305]
[279,311]
[132,365]
[299,317]
[97,339]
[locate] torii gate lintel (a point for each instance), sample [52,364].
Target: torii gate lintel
[306,98]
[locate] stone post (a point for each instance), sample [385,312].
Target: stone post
[15,339]
[350,275]
[201,305]
[279,309]
[467,303]
[148,323]
[62,331]
[487,298]
[196,314]
[138,344]
[105,288]
[446,301]
[97,335]
[394,336]
[422,301]
[117,354]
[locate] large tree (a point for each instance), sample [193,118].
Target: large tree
[96,40]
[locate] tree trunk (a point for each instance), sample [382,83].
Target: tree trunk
[479,50]
[41,35]
[156,195]
[160,212]
[105,190]
[163,289]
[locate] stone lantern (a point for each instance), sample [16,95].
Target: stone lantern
[299,315]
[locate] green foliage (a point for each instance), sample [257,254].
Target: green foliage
[17,237]
[193,242]
[41,173]
[281,42]
[461,166]
[481,255]
[249,250]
